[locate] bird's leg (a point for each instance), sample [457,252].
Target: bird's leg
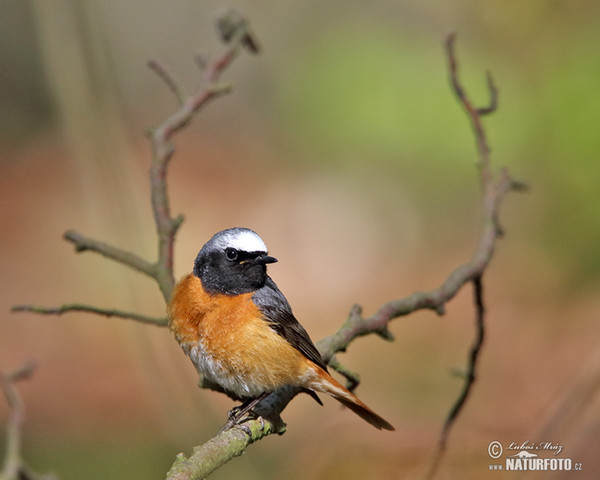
[236,413]
[233,413]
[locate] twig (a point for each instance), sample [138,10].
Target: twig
[79,307]
[129,259]
[473,113]
[352,378]
[14,468]
[470,376]
[168,77]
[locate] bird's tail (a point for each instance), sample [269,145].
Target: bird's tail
[330,385]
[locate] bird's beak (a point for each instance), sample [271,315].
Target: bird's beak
[264,259]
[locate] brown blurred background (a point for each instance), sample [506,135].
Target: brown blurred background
[343,146]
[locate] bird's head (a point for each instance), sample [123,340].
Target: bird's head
[232,262]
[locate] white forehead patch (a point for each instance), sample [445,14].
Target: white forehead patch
[241,239]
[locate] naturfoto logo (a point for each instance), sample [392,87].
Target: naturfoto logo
[530,456]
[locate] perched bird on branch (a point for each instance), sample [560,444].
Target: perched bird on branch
[239,330]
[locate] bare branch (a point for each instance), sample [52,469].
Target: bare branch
[474,114]
[168,77]
[469,375]
[352,378]
[123,257]
[79,307]
[14,468]
[491,108]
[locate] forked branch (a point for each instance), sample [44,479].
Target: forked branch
[14,466]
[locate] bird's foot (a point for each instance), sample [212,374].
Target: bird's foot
[239,422]
[237,414]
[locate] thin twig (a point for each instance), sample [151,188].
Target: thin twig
[470,375]
[493,105]
[79,307]
[352,378]
[165,73]
[129,259]
[14,467]
[473,112]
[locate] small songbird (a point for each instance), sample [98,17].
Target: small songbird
[239,330]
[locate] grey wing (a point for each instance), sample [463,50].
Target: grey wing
[278,313]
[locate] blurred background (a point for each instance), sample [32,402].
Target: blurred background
[343,146]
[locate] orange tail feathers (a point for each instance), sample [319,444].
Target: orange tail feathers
[330,385]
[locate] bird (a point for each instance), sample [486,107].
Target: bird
[239,331]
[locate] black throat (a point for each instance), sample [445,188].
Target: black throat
[221,276]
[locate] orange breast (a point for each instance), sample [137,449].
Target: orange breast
[230,343]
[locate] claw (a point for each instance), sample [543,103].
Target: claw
[236,414]
[244,428]
[231,414]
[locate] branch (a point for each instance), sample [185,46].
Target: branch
[79,307]
[168,77]
[14,468]
[131,260]
[470,377]
[352,378]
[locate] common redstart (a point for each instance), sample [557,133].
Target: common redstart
[239,330]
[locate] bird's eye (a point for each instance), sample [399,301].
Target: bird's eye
[231,254]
